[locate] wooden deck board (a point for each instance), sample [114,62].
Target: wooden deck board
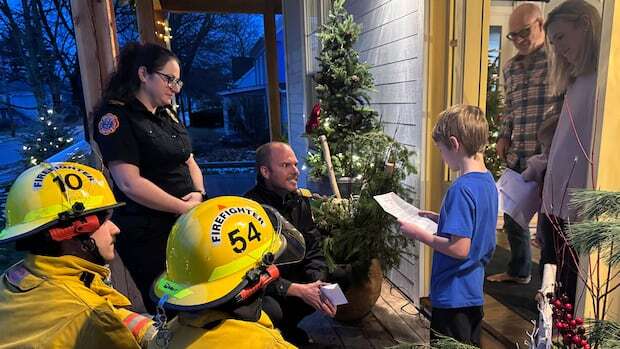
[376,334]
[386,325]
[406,311]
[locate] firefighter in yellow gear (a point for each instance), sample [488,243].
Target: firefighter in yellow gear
[59,295]
[220,257]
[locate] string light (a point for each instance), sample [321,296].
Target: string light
[164,32]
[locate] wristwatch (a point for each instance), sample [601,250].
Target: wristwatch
[203,193]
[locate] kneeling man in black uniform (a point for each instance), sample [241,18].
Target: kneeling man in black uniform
[297,293]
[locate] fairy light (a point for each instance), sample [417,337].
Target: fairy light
[164,32]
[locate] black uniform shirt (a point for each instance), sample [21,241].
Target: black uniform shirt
[296,209]
[156,143]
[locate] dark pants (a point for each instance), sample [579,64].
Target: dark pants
[557,251]
[520,264]
[142,246]
[462,324]
[286,312]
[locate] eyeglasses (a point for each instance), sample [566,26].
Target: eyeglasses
[523,33]
[171,81]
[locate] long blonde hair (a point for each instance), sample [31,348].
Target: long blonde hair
[561,72]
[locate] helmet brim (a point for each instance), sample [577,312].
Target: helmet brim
[23,230]
[200,296]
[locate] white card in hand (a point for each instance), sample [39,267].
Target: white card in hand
[334,294]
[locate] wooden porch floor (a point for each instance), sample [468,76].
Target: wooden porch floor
[392,321]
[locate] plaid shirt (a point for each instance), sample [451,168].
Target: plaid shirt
[527,103]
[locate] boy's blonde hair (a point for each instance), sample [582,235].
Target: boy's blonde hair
[467,124]
[561,72]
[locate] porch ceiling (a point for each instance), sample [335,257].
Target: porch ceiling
[225,6]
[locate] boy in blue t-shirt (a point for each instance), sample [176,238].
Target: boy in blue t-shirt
[465,238]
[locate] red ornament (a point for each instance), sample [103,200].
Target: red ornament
[314,119]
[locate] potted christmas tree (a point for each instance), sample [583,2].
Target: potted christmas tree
[360,233]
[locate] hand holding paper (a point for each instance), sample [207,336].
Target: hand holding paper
[404,211]
[334,294]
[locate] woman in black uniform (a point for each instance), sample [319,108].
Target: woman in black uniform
[149,155]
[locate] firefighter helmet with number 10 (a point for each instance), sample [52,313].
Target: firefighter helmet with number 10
[52,193]
[219,251]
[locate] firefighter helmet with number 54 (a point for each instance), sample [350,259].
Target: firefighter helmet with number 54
[214,250]
[50,193]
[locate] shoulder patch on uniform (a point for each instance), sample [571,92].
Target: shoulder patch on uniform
[304,192]
[108,124]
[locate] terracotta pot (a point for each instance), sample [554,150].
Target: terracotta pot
[362,297]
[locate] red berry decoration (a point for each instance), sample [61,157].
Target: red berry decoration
[568,307]
[557,304]
[569,317]
[572,324]
[567,339]
[579,321]
[584,342]
[576,340]
[586,346]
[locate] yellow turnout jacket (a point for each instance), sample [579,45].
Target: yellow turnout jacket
[63,302]
[188,332]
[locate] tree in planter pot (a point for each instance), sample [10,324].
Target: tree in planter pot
[360,233]
[343,85]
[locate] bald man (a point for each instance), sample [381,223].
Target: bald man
[528,102]
[297,293]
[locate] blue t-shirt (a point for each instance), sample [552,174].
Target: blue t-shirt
[469,210]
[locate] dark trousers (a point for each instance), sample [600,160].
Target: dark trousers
[520,264]
[286,312]
[142,246]
[462,324]
[557,251]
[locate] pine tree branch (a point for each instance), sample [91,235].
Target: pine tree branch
[592,204]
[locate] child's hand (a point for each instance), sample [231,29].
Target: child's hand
[413,230]
[433,216]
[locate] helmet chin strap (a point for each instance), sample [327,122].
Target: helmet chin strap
[82,225]
[81,228]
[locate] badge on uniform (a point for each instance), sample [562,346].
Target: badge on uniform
[108,124]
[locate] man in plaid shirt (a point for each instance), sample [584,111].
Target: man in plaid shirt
[528,102]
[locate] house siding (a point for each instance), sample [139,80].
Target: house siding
[391,42]
[295,81]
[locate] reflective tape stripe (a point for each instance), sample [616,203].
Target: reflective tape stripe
[135,322]
[241,263]
[138,327]
[128,319]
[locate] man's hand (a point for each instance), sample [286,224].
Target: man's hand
[501,147]
[311,294]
